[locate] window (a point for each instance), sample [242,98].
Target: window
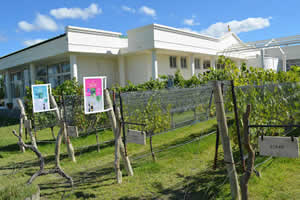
[183,62]
[173,61]
[197,63]
[206,64]
[2,88]
[17,84]
[55,74]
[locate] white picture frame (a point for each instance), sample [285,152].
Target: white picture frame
[41,104]
[92,103]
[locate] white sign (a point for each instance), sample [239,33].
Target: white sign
[40,97]
[94,94]
[136,137]
[278,146]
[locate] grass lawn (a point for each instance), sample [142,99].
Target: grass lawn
[184,172]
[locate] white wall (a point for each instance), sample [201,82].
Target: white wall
[183,41]
[91,65]
[49,49]
[140,39]
[138,68]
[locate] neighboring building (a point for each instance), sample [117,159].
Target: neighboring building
[145,53]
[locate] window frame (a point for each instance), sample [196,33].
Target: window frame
[173,62]
[183,62]
[59,76]
[205,64]
[197,63]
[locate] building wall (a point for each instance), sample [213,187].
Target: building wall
[140,39]
[138,68]
[90,65]
[183,41]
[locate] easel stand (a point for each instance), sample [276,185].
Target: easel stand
[115,119]
[57,169]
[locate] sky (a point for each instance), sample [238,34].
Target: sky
[26,22]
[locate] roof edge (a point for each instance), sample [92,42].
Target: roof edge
[92,31]
[35,45]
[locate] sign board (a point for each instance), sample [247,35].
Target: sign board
[27,124]
[136,137]
[40,97]
[93,94]
[72,131]
[279,146]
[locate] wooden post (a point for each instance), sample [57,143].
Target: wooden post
[22,148]
[116,131]
[237,123]
[251,155]
[97,139]
[122,148]
[217,147]
[52,132]
[63,130]
[24,117]
[151,147]
[228,157]
[172,120]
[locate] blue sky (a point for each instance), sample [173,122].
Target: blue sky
[24,22]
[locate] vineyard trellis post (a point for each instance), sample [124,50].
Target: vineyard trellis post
[237,123]
[123,149]
[251,158]
[228,156]
[65,132]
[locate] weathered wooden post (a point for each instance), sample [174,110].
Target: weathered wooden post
[63,130]
[97,139]
[251,155]
[223,129]
[24,120]
[116,131]
[122,146]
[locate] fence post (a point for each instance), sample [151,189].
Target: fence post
[251,158]
[65,133]
[223,129]
[237,123]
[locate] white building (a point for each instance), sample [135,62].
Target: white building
[145,53]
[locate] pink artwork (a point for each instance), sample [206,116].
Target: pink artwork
[93,87]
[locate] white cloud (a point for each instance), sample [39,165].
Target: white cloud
[249,24]
[32,42]
[26,26]
[41,22]
[128,9]
[76,13]
[190,22]
[148,11]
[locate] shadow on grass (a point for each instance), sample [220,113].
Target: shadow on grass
[92,179]
[206,185]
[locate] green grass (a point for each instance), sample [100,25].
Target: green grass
[182,172]
[17,191]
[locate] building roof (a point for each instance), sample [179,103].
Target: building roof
[32,46]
